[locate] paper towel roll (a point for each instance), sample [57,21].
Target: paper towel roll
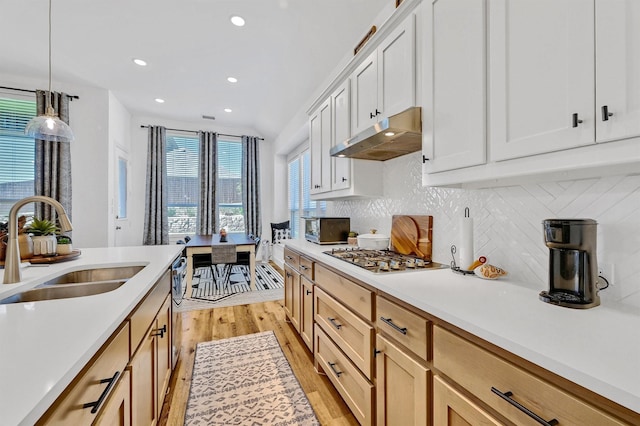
[466,242]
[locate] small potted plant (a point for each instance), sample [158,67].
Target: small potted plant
[43,232]
[64,244]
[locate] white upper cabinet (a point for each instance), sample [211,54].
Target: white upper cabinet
[397,69]
[365,94]
[454,130]
[320,143]
[384,83]
[541,76]
[617,69]
[341,109]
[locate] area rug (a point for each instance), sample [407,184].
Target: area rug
[245,380]
[205,295]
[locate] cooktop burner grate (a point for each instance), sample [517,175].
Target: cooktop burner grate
[382,260]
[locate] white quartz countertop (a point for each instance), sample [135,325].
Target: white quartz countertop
[596,348]
[43,345]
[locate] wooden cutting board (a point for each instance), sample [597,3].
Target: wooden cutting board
[411,234]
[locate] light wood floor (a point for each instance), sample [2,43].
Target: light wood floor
[220,323]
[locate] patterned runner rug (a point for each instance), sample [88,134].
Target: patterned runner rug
[245,380]
[269,286]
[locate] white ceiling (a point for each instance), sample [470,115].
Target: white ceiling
[281,57]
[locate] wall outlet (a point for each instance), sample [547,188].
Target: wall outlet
[607,271]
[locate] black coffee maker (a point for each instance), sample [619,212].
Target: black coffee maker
[573,267]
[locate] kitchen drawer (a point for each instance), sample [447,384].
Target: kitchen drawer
[483,373]
[291,258]
[353,335]
[147,310]
[358,298]
[409,329]
[93,385]
[306,267]
[354,388]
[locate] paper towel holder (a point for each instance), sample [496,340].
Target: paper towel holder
[454,267]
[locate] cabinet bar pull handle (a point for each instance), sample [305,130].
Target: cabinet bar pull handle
[424,159]
[371,115]
[507,397]
[308,292]
[160,331]
[605,113]
[575,120]
[378,112]
[334,323]
[96,405]
[344,179]
[389,321]
[336,372]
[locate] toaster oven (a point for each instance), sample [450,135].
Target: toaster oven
[327,230]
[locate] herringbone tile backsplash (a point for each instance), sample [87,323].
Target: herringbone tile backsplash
[508,221]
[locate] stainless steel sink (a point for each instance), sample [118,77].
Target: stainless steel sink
[95,275]
[85,282]
[63,291]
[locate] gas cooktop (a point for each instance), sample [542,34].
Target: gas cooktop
[382,260]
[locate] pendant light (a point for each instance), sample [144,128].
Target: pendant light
[49,127]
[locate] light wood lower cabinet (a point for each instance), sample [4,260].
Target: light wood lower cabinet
[292,296]
[149,370]
[117,410]
[84,400]
[163,334]
[306,312]
[354,387]
[402,387]
[507,388]
[451,408]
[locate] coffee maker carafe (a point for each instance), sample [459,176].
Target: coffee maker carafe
[573,267]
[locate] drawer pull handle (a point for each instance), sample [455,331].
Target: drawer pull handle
[96,405]
[389,321]
[289,257]
[507,397]
[334,323]
[336,372]
[303,267]
[161,331]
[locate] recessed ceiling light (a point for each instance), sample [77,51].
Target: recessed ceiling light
[160,101]
[228,110]
[238,21]
[140,62]
[232,79]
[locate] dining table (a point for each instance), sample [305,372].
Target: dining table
[206,244]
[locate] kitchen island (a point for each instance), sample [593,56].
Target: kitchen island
[45,344]
[596,349]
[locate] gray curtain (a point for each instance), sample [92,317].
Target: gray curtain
[208,161]
[156,221]
[251,185]
[53,160]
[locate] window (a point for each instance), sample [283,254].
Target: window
[17,153]
[184,186]
[182,183]
[229,193]
[300,202]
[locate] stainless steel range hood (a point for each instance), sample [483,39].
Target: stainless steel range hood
[391,137]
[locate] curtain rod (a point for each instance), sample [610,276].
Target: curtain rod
[196,131]
[33,91]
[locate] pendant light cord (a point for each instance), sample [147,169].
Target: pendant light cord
[49,94]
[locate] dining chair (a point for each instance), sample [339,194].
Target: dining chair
[222,260]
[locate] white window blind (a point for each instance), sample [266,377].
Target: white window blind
[182,182]
[17,153]
[299,192]
[229,185]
